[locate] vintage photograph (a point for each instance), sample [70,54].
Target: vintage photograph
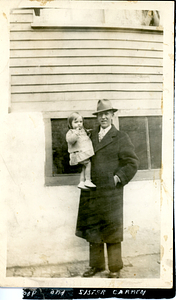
[87,143]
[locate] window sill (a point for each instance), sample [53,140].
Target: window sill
[73,179]
[41,24]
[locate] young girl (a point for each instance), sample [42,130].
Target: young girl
[80,149]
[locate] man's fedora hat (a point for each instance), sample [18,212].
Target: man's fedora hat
[104,105]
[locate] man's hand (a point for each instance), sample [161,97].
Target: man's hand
[116,179]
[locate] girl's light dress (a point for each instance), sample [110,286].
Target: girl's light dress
[79,146]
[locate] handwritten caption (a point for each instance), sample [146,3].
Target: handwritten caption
[82,293]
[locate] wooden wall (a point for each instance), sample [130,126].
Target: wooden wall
[62,69]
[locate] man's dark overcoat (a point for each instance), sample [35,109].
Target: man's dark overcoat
[100,215]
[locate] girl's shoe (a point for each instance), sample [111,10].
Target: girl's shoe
[89,184]
[82,186]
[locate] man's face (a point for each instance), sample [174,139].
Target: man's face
[105,118]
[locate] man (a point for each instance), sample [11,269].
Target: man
[100,216]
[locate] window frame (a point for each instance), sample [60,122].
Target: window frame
[73,179]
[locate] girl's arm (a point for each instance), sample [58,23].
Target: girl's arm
[72,136]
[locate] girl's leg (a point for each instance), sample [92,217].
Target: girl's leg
[85,177]
[82,179]
[88,182]
[87,170]
[82,175]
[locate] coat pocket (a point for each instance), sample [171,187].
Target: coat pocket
[111,180]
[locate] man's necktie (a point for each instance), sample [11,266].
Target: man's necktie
[101,135]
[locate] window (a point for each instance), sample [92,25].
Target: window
[145,133]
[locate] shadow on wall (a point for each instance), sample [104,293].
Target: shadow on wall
[150,18]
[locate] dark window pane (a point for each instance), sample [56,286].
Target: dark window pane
[136,129]
[60,148]
[155,135]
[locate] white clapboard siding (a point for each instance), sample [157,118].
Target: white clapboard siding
[84,87]
[24,11]
[64,106]
[69,96]
[37,35]
[72,70]
[85,52]
[85,61]
[23,27]
[20,27]
[64,69]
[89,44]
[84,78]
[21,18]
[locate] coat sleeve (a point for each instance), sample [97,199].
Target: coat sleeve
[128,160]
[72,136]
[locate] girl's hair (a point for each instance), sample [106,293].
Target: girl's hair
[72,117]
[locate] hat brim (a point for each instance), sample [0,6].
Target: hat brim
[97,112]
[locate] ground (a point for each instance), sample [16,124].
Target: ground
[141,266]
[140,253]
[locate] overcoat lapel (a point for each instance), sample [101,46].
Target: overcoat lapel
[108,138]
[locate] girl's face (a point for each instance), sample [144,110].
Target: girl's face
[77,123]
